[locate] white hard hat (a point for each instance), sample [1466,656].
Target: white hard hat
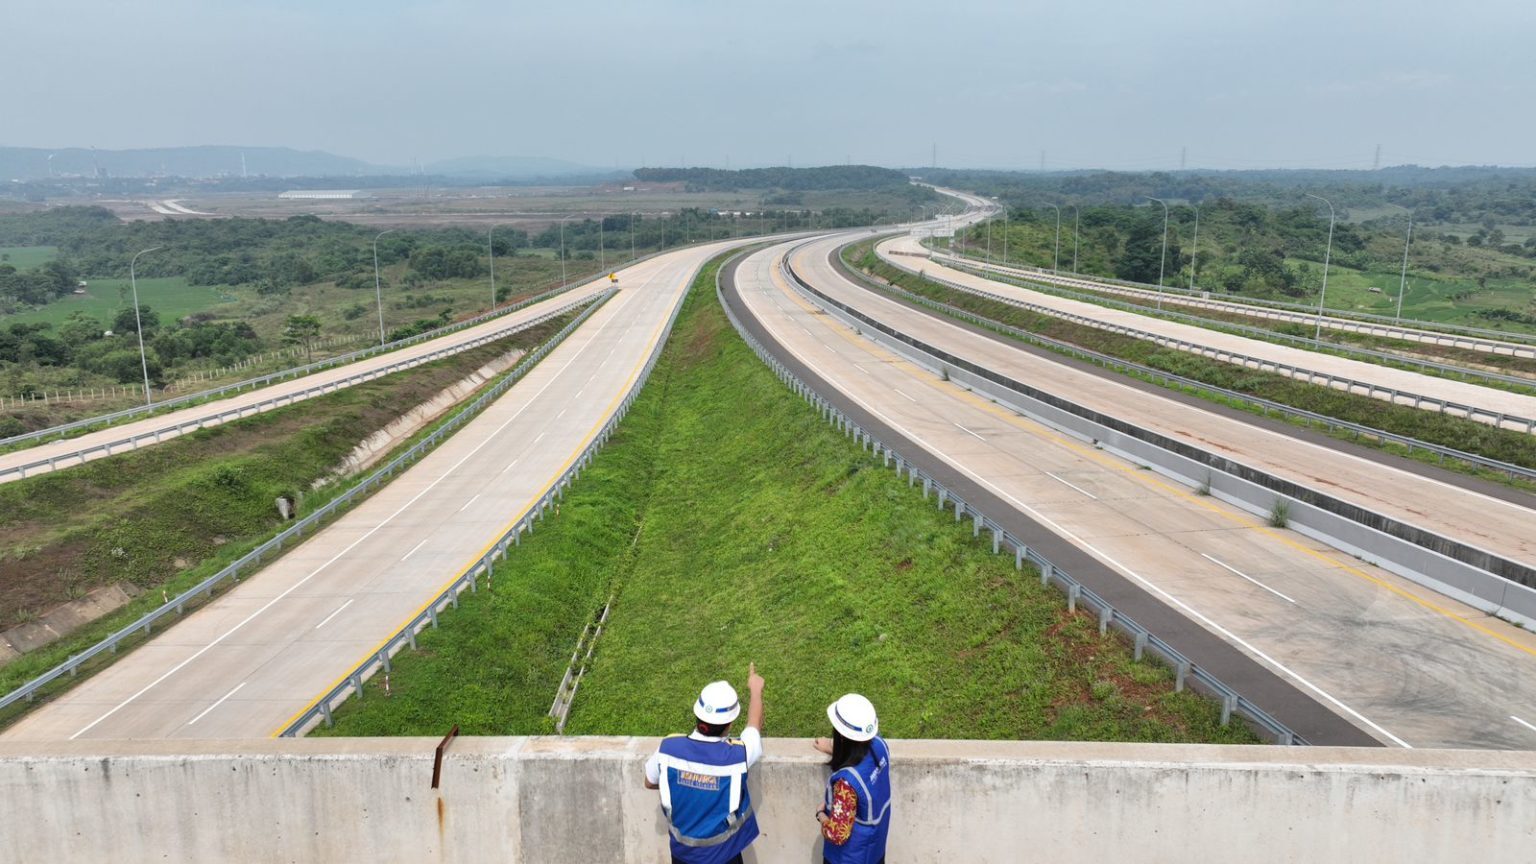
[854,716]
[717,703]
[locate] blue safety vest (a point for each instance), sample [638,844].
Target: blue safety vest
[871,781]
[704,796]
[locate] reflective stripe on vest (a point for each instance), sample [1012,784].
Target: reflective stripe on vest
[880,755]
[734,772]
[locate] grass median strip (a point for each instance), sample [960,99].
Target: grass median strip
[1335,341]
[731,524]
[166,517]
[1469,436]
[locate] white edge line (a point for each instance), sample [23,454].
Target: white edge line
[1522,723]
[216,704]
[1228,567]
[469,502]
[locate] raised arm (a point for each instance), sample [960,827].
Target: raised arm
[755,698]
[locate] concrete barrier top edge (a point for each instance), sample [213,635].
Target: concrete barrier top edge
[912,752]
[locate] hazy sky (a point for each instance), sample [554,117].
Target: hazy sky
[1118,85]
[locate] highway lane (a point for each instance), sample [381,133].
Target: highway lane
[70,451]
[1404,663]
[900,251]
[249,661]
[1503,527]
[1405,332]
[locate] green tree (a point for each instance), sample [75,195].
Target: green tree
[302,329]
[125,321]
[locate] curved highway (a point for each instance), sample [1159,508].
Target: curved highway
[68,452]
[1402,663]
[1180,297]
[245,664]
[900,252]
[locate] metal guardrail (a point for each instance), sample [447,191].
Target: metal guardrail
[1187,673]
[283,375]
[469,578]
[1064,289]
[1310,376]
[1309,314]
[183,427]
[205,588]
[1169,378]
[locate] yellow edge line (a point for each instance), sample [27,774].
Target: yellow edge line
[476,560]
[1153,480]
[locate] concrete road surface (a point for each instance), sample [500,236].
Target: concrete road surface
[1407,665]
[900,251]
[250,661]
[1503,527]
[65,449]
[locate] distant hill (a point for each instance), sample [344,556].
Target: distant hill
[511,167]
[33,163]
[863,177]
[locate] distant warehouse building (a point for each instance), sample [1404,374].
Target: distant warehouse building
[322,193]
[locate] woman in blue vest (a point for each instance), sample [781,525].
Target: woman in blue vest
[703,777]
[856,816]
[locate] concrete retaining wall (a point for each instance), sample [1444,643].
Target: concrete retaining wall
[581,799]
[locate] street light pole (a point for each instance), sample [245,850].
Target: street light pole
[1163,261]
[378,292]
[562,253]
[1327,255]
[1005,236]
[1056,257]
[1075,215]
[1194,254]
[1402,287]
[490,254]
[137,322]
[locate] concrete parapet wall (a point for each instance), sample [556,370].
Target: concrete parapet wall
[581,799]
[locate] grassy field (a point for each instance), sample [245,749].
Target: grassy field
[27,257]
[731,525]
[1459,433]
[171,297]
[168,516]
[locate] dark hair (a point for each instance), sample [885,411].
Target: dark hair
[846,752]
[713,730]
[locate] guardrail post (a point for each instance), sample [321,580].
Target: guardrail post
[325,711]
[1104,615]
[1018,557]
[1140,646]
[943,497]
[1228,705]
[1073,593]
[384,659]
[1181,672]
[357,684]
[997,541]
[976,524]
[959,508]
[1046,572]
[432,612]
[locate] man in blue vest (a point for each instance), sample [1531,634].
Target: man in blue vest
[703,777]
